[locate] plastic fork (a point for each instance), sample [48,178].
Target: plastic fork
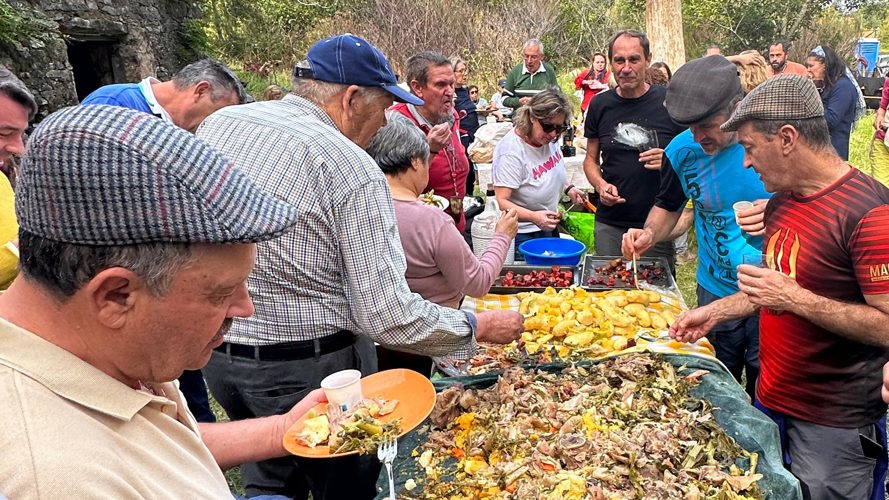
[387,452]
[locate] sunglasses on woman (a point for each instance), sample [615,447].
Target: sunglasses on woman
[550,127]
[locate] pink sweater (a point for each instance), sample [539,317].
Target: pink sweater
[440,265]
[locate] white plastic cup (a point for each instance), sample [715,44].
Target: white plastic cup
[343,388]
[741,206]
[756,260]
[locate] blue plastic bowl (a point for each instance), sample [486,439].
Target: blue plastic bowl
[552,251]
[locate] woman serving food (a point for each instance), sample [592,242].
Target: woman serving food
[528,172]
[440,265]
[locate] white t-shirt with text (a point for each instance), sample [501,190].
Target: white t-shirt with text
[535,174]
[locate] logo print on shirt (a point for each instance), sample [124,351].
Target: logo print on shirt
[538,171]
[782,252]
[879,272]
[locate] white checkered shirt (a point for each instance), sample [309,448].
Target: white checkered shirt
[342,266]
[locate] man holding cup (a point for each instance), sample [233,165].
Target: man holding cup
[824,298]
[623,129]
[706,165]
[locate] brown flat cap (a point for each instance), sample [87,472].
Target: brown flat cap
[783,97]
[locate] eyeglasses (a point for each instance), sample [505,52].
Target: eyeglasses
[473,91]
[549,128]
[463,71]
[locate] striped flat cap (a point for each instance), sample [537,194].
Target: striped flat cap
[107,175]
[782,97]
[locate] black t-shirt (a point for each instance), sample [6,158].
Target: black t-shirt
[620,162]
[469,123]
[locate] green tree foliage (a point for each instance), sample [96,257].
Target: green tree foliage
[745,24]
[264,31]
[15,24]
[267,36]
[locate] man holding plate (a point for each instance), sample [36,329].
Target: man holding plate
[136,240]
[325,292]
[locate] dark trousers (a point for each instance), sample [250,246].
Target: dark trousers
[249,388]
[192,385]
[737,344]
[833,463]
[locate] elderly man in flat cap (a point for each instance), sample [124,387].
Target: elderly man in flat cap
[326,291]
[136,240]
[706,165]
[823,295]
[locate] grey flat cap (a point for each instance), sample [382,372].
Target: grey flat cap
[700,88]
[107,175]
[783,97]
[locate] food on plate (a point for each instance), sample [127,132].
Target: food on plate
[358,429]
[555,277]
[430,199]
[619,273]
[624,428]
[316,429]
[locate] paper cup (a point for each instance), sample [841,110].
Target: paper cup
[343,388]
[741,206]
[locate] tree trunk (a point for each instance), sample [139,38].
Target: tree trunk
[663,21]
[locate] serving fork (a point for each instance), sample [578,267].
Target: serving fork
[387,452]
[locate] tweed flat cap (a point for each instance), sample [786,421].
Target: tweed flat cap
[783,97]
[106,175]
[700,88]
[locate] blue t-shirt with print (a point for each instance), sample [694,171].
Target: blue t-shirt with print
[714,183]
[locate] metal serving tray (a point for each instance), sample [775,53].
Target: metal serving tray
[591,262]
[499,288]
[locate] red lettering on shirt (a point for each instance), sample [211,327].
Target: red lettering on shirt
[538,171]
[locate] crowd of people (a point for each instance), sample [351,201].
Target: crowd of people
[164,228]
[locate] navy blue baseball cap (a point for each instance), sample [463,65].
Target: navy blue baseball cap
[351,60]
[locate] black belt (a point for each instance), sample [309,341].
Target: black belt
[289,351]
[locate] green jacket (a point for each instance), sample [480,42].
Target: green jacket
[516,82]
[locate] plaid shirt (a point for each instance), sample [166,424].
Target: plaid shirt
[342,266]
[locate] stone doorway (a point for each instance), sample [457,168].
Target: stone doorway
[94,63]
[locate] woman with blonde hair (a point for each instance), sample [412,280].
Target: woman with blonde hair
[753,69]
[467,112]
[528,171]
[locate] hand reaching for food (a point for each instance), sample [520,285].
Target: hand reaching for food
[499,327]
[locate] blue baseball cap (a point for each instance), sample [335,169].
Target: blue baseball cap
[351,60]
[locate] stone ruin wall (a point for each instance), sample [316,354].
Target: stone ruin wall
[148,38]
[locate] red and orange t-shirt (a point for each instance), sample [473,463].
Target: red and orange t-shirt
[834,243]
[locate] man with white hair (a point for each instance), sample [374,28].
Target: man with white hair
[530,77]
[326,291]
